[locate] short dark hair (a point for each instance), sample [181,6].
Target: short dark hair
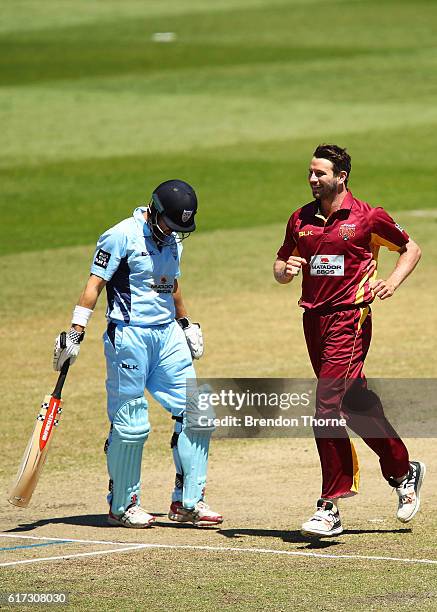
[340,158]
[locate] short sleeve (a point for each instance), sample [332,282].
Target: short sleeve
[385,231]
[289,246]
[110,249]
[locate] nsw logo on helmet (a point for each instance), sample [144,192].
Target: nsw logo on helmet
[186,215]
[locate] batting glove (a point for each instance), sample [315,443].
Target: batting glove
[67,346]
[193,336]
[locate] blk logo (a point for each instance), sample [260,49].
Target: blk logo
[128,366]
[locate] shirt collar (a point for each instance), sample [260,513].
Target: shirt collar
[348,201]
[141,222]
[345,205]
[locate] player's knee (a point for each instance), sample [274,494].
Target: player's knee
[199,415]
[131,421]
[193,444]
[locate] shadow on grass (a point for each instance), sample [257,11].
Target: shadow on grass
[290,536]
[296,537]
[85,520]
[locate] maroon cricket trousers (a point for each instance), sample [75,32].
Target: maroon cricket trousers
[337,344]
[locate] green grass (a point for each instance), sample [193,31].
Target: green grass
[95,114]
[241,584]
[67,203]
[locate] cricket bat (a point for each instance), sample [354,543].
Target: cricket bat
[36,451]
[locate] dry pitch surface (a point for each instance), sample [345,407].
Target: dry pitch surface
[265,488]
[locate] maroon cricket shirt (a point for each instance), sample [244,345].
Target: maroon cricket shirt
[338,251]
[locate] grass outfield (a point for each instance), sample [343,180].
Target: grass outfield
[94,115]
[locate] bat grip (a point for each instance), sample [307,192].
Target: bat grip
[61,380]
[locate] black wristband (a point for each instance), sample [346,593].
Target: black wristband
[184,322]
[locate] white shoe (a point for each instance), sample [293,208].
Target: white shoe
[201,515]
[409,492]
[134,517]
[325,521]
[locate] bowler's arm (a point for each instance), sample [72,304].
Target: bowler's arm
[409,256]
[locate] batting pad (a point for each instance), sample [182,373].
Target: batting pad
[130,429]
[192,449]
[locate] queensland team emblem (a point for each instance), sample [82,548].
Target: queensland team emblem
[347,231]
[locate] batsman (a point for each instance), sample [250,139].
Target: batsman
[149,344]
[334,241]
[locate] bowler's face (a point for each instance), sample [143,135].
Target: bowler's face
[321,178]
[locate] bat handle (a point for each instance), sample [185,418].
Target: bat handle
[61,380]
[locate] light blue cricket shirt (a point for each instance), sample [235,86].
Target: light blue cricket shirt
[140,277]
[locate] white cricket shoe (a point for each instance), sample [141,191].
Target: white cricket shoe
[201,515]
[409,492]
[325,521]
[134,517]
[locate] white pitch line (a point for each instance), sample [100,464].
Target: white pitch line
[27,537]
[292,553]
[138,546]
[61,557]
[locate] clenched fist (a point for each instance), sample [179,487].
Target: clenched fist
[67,346]
[293,266]
[285,271]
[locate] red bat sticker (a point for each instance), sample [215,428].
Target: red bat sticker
[49,421]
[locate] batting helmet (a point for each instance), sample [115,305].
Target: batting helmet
[176,202]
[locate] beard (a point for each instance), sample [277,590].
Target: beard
[326,191]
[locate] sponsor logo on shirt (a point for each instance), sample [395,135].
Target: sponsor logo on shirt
[346,231]
[305,233]
[163,286]
[401,229]
[147,253]
[327,265]
[129,366]
[102,259]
